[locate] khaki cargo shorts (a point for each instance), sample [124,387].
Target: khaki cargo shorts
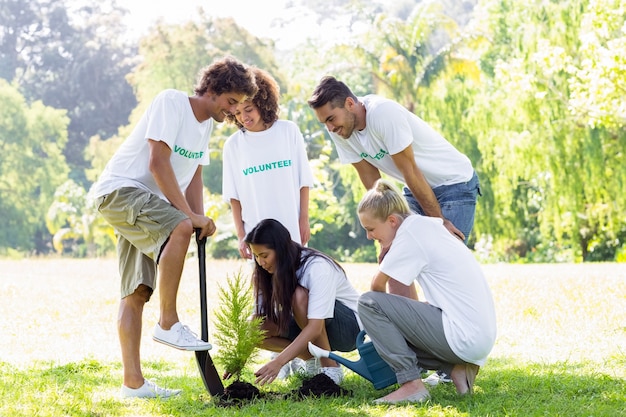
[143,222]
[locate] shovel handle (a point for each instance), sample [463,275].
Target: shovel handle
[204,326]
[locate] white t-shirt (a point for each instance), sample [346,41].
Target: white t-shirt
[451,279]
[169,119]
[265,172]
[389,129]
[326,283]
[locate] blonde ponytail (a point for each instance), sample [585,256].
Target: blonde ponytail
[384,200]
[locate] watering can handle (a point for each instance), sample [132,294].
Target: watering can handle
[360,338]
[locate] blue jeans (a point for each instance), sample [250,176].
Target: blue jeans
[457,202]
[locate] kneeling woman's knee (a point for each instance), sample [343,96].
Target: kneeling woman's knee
[367,302]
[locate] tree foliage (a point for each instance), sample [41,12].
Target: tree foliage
[550,157]
[532,92]
[402,54]
[539,110]
[70,55]
[31,167]
[77,228]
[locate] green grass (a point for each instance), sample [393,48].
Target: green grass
[505,388]
[561,348]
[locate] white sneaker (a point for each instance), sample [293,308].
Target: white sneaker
[436,377]
[334,373]
[285,371]
[312,367]
[179,337]
[148,390]
[296,365]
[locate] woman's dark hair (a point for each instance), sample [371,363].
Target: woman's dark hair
[224,76]
[275,291]
[330,90]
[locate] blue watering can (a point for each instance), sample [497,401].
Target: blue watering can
[370,366]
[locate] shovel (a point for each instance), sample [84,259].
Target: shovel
[210,377]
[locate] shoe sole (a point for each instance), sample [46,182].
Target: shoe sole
[417,398]
[173,393]
[187,348]
[149,397]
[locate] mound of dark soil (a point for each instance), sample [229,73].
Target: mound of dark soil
[240,393]
[320,386]
[239,390]
[237,393]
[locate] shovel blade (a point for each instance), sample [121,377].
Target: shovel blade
[210,377]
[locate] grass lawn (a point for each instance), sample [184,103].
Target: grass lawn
[561,347]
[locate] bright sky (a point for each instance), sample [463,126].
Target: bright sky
[256,16]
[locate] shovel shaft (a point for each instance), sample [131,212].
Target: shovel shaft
[210,377]
[204,324]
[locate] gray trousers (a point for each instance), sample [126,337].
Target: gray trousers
[407,334]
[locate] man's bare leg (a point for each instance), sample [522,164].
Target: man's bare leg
[171,265]
[129,323]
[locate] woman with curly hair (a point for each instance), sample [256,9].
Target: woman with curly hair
[266,171]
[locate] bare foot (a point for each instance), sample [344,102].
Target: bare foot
[459,377]
[463,377]
[412,391]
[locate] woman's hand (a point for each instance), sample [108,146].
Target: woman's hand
[244,250]
[268,372]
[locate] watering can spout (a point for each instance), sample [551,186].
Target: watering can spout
[317,351]
[370,365]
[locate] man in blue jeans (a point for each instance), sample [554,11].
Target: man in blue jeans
[377,135]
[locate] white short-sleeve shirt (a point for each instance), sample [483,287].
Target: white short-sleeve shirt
[451,280]
[265,171]
[326,283]
[169,119]
[391,128]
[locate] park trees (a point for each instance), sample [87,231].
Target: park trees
[532,92]
[538,109]
[404,54]
[32,137]
[554,155]
[335,228]
[70,55]
[400,57]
